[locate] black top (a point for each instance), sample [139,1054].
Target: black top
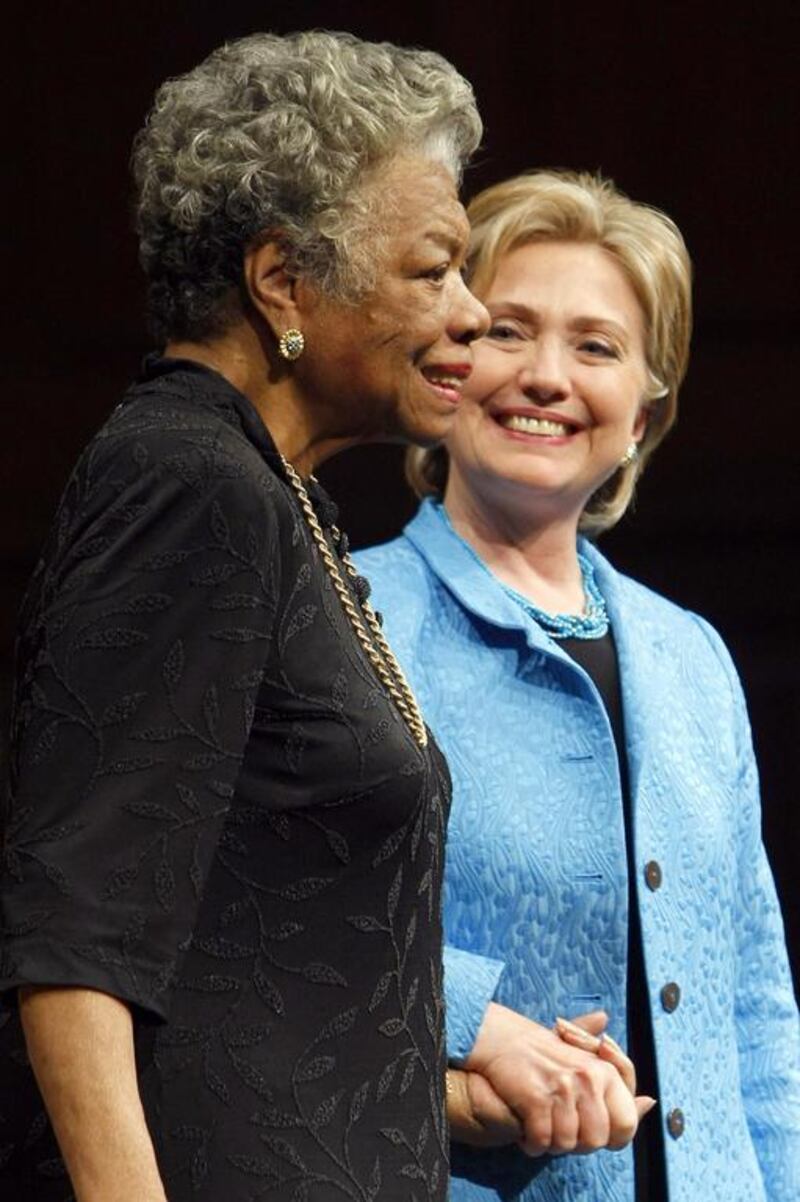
[218,815]
[598,658]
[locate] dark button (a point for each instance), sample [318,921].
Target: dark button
[676,1124]
[670,996]
[653,874]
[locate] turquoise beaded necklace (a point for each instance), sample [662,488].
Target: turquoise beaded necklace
[593,623]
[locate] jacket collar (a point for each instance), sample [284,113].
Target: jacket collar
[465,576]
[640,641]
[186,379]
[461,572]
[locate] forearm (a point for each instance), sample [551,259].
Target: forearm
[80,1044]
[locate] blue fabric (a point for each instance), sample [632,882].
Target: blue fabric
[536,878]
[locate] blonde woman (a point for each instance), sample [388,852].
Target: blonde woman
[604,852]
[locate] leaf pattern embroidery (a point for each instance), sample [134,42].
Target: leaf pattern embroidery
[248,809]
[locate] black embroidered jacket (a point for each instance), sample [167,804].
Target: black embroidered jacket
[218,815]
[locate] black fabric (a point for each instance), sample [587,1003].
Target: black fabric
[598,658]
[218,815]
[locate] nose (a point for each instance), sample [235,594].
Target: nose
[469,318]
[544,375]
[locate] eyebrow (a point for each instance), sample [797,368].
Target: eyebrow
[446,238]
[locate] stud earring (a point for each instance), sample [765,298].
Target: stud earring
[291,344]
[630,456]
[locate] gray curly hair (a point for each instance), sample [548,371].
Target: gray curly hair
[282,135]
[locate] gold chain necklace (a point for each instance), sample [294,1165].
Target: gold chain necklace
[367,630]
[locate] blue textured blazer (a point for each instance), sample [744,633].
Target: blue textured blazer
[536,907]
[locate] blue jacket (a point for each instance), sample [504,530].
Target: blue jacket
[536,907]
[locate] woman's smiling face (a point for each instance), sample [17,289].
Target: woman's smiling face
[394,365]
[556,393]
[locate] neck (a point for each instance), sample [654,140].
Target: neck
[242,358]
[534,552]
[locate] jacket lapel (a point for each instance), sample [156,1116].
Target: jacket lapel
[462,573]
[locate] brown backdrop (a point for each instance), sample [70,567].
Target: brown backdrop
[691,107]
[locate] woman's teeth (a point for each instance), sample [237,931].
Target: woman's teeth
[444,380]
[534,425]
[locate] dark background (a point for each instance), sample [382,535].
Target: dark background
[692,107]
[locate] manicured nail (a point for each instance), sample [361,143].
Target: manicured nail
[577,1034]
[606,1038]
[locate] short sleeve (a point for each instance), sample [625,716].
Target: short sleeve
[143,640]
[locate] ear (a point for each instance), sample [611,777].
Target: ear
[640,425]
[271,287]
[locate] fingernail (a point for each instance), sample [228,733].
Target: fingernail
[651,1102]
[578,1033]
[606,1038]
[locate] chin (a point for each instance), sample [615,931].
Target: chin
[430,430]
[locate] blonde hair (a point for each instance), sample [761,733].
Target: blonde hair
[570,206]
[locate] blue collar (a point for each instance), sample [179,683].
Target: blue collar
[641,638]
[470,582]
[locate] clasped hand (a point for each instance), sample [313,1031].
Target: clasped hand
[556,1091]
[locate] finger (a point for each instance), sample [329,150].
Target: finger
[612,1053]
[538,1128]
[594,1127]
[572,1034]
[644,1105]
[565,1120]
[594,1021]
[622,1112]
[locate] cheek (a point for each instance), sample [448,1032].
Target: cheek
[619,401]
[426,326]
[467,437]
[488,375]
[405,321]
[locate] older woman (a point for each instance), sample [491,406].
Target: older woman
[604,850]
[222,868]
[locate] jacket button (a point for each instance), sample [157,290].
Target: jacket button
[676,1124]
[653,874]
[670,996]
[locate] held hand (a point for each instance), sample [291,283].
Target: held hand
[587,1031]
[567,1098]
[477,1116]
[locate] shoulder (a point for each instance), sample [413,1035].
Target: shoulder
[167,482]
[650,616]
[403,590]
[166,447]
[391,558]
[396,568]
[177,430]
